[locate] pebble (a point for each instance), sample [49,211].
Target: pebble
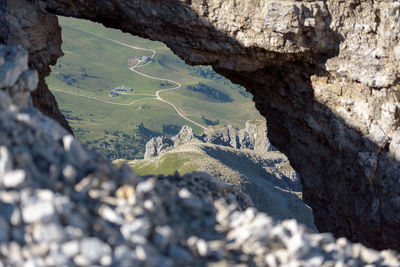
[162,236]
[70,248]
[202,248]
[51,232]
[181,255]
[93,249]
[5,163]
[13,178]
[38,211]
[136,231]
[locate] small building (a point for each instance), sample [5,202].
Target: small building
[144,59]
[123,88]
[113,94]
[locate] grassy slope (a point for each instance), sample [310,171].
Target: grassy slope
[92,65]
[257,174]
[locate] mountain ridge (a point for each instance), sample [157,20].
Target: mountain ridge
[241,157]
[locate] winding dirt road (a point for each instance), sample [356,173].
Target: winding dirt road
[134,69]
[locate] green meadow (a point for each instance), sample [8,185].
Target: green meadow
[95,62]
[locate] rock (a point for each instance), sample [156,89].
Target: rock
[5,163]
[188,199]
[70,248]
[48,233]
[322,72]
[163,236]
[137,231]
[125,257]
[13,178]
[39,33]
[12,70]
[93,250]
[156,145]
[77,153]
[253,136]
[180,255]
[202,248]
[185,134]
[36,210]
[223,216]
[4,230]
[69,172]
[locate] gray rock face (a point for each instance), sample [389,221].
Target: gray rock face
[253,136]
[192,220]
[185,134]
[324,73]
[21,23]
[156,145]
[15,77]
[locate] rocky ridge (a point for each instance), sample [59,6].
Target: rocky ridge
[63,205]
[253,137]
[242,158]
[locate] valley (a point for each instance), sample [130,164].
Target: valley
[166,93]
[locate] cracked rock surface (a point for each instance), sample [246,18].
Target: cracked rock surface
[21,23]
[325,74]
[61,205]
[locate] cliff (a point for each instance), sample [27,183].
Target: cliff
[253,137]
[62,205]
[325,74]
[24,24]
[241,158]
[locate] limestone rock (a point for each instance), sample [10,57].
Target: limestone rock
[165,221]
[253,136]
[325,74]
[156,145]
[185,134]
[21,23]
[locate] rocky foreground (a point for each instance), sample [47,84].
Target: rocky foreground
[61,205]
[324,73]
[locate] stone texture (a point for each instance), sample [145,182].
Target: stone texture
[253,137]
[156,145]
[191,220]
[21,23]
[324,73]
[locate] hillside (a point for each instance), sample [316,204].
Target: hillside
[251,165]
[98,60]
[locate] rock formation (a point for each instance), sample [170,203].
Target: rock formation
[21,23]
[156,145]
[241,158]
[61,205]
[324,73]
[253,137]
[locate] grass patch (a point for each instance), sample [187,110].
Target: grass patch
[168,164]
